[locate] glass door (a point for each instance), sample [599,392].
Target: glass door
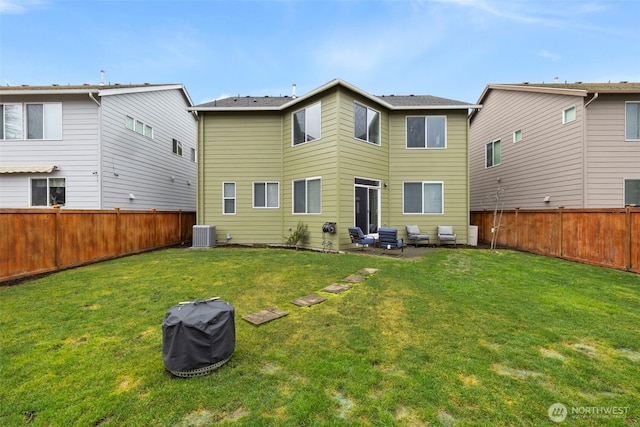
[367,205]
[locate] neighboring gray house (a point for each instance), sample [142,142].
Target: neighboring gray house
[97,147]
[541,146]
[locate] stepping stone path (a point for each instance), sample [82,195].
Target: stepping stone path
[336,288]
[270,314]
[308,301]
[264,316]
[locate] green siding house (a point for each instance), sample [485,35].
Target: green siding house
[336,154]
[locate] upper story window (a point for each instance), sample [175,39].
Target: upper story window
[48,192]
[11,121]
[517,136]
[366,124]
[632,121]
[228,198]
[176,147]
[569,115]
[43,121]
[427,132]
[266,195]
[138,126]
[307,124]
[423,197]
[307,196]
[492,150]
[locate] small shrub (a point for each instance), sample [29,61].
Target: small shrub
[299,235]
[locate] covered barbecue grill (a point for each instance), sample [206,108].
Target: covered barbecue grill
[198,337]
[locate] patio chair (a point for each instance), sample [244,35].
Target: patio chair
[388,239]
[446,234]
[415,235]
[358,237]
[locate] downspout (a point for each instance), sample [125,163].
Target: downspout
[98,173]
[585,146]
[94,99]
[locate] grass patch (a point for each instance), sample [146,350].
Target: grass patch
[459,337]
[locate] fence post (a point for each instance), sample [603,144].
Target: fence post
[56,243]
[561,234]
[628,252]
[117,232]
[180,225]
[517,227]
[155,228]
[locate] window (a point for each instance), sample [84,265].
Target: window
[569,115]
[632,121]
[265,195]
[493,153]
[193,154]
[632,192]
[138,126]
[366,124]
[423,197]
[307,196]
[229,198]
[11,121]
[517,136]
[44,121]
[48,192]
[426,132]
[307,124]
[177,147]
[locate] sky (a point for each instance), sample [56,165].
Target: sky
[216,48]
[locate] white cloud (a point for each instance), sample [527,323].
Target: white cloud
[549,55]
[12,7]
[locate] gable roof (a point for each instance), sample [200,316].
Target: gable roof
[571,89]
[279,103]
[100,90]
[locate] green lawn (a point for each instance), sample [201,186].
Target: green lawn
[459,337]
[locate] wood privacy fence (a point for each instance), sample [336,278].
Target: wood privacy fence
[605,237]
[34,241]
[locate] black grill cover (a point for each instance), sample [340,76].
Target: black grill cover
[198,337]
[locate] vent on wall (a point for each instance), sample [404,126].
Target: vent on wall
[204,236]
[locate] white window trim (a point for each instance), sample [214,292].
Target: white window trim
[624,189]
[48,179]
[179,150]
[293,118]
[625,120]
[253,196]
[144,126]
[235,198]
[406,132]
[514,136]
[564,115]
[22,122]
[379,124]
[25,118]
[485,154]
[293,196]
[422,183]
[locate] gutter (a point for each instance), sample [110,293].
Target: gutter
[93,98]
[595,96]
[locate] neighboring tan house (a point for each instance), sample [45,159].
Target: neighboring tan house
[336,154]
[97,147]
[536,146]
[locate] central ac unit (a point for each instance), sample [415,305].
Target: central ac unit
[204,236]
